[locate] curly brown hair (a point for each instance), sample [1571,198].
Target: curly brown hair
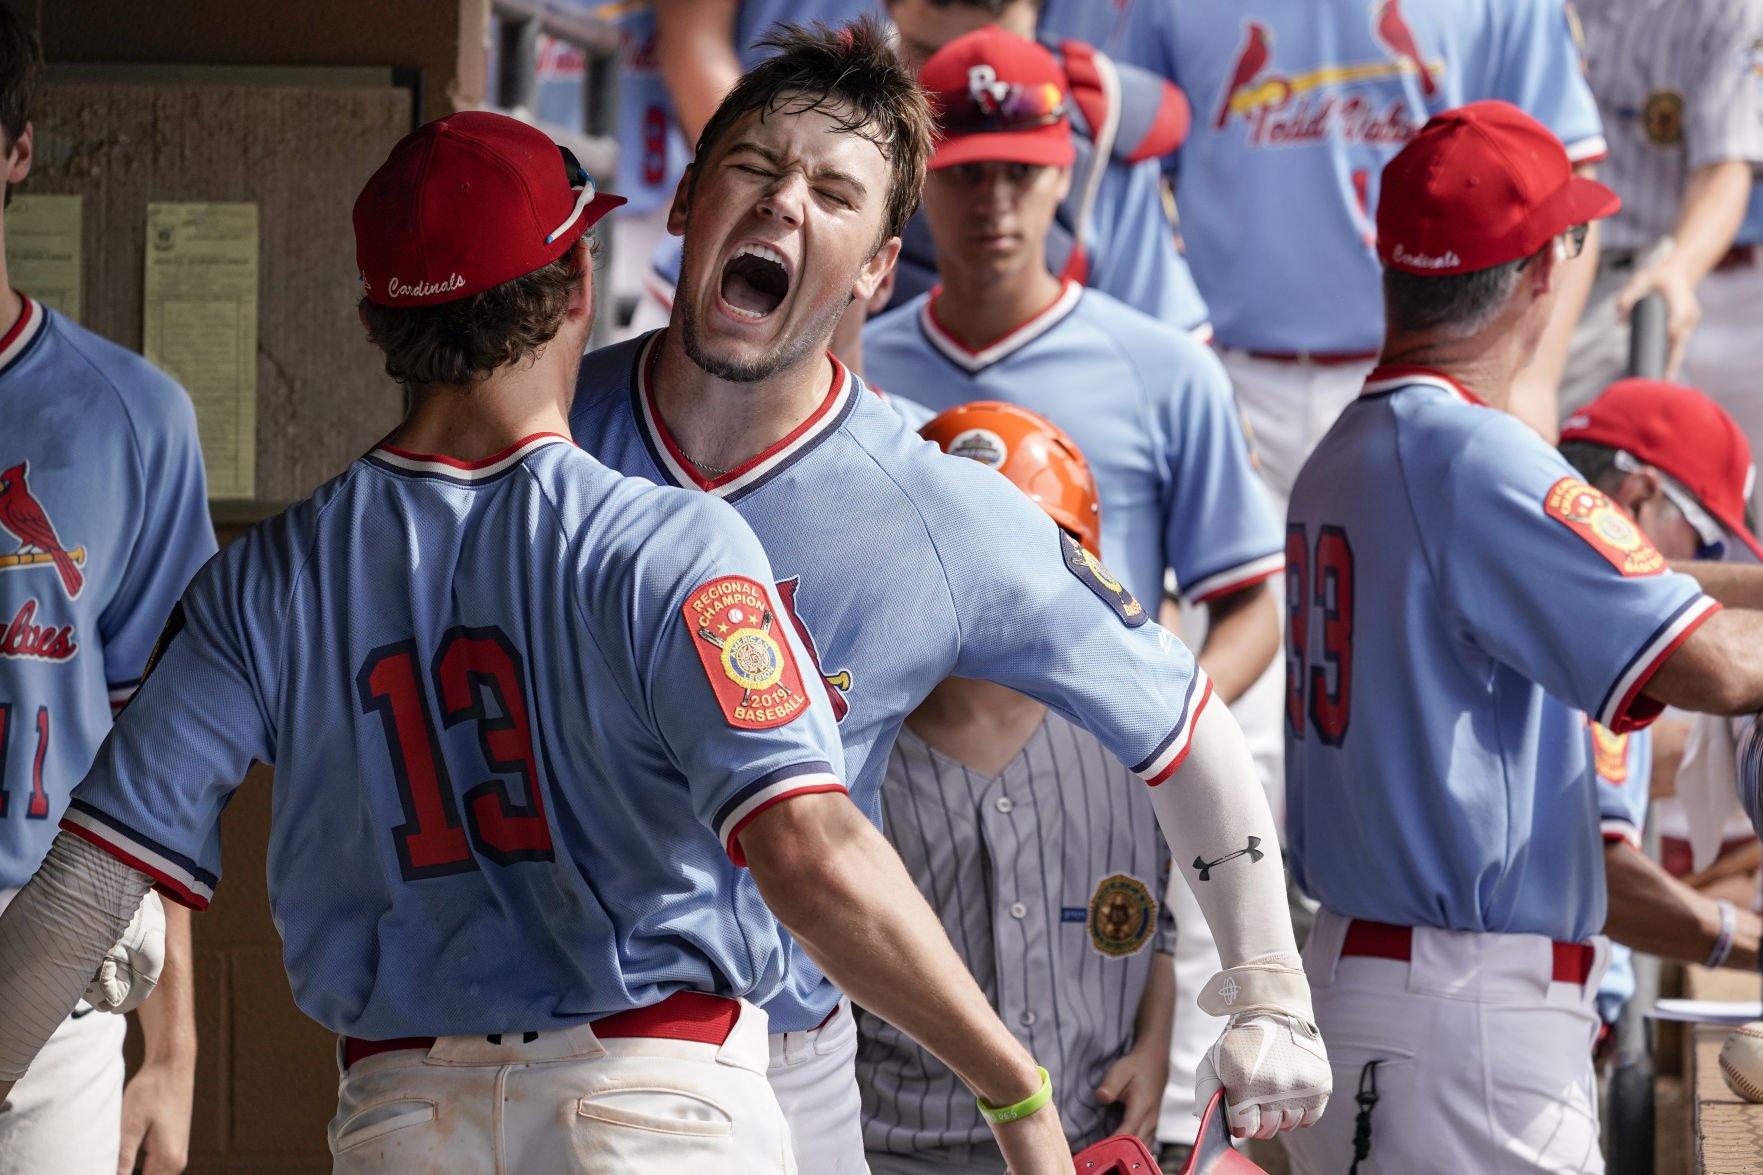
[456,343]
[851,73]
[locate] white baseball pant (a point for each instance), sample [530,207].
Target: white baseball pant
[564,1101]
[1485,1062]
[814,1074]
[65,1115]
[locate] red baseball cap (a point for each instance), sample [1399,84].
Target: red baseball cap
[1477,187]
[465,203]
[1682,432]
[999,99]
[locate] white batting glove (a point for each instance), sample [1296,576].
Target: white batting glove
[1270,1060]
[130,971]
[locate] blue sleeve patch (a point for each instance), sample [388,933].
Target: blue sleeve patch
[1099,579]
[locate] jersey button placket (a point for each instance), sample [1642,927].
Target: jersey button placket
[1003,804]
[1018,910]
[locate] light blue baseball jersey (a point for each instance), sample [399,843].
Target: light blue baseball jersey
[652,153]
[1115,206]
[519,710]
[103,520]
[1151,411]
[1298,104]
[755,18]
[1750,771]
[1623,767]
[1106,24]
[903,565]
[1446,570]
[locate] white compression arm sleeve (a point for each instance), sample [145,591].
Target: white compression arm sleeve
[1215,816]
[52,938]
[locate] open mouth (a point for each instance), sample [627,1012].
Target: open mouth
[754,281]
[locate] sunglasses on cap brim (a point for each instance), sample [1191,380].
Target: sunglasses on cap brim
[582,182]
[1007,108]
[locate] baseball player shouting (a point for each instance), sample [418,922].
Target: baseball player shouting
[536,715]
[1446,570]
[1046,868]
[1314,97]
[103,520]
[1153,405]
[904,566]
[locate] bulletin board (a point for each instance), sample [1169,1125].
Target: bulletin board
[294,145]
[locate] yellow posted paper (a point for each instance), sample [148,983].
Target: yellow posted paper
[43,250]
[201,327]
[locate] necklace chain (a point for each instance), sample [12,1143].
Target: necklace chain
[704,466]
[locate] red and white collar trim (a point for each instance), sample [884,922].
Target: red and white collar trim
[965,357]
[467,471]
[822,422]
[19,336]
[1389,377]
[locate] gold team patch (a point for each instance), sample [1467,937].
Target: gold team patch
[1099,579]
[1610,755]
[1604,525]
[1662,118]
[1122,915]
[749,664]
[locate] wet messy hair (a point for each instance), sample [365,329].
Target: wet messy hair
[852,74]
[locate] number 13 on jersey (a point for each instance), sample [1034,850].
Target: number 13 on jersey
[478,677]
[1319,599]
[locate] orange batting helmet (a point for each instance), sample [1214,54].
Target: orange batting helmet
[1032,452]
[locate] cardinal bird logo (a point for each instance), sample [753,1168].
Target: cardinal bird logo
[24,518]
[1251,58]
[1394,32]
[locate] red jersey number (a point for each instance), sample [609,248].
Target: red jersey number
[1319,591]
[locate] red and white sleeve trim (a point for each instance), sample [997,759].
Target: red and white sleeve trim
[1591,150]
[737,815]
[1235,579]
[1621,830]
[1622,710]
[1173,752]
[173,878]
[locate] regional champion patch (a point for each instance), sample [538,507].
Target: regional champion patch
[748,662]
[1610,755]
[1122,915]
[1099,579]
[1604,525]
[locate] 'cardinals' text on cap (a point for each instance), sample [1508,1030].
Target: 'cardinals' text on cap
[465,203]
[998,99]
[1479,186]
[1682,432]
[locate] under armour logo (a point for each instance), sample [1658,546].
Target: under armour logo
[987,90]
[1253,852]
[1229,991]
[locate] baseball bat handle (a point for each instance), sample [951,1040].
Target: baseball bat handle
[1646,338]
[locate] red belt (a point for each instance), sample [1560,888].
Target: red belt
[1320,359]
[1381,940]
[684,1015]
[1739,256]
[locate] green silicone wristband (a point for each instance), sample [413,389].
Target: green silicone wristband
[1021,1109]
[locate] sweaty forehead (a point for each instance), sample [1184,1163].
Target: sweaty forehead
[800,133]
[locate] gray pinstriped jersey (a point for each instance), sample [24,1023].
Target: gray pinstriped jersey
[1048,880]
[1680,86]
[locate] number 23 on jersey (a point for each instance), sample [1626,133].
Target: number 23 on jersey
[1319,599]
